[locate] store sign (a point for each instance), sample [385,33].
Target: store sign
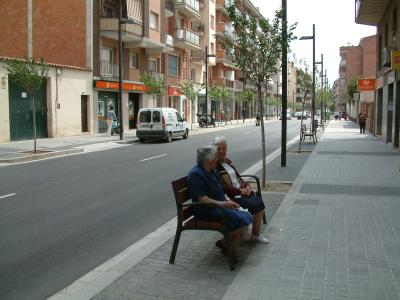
[173,91]
[365,85]
[395,60]
[356,96]
[125,86]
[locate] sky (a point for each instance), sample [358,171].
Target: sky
[335,27]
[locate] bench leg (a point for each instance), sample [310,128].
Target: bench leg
[175,247]
[229,251]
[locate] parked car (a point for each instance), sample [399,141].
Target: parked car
[288,116]
[302,115]
[161,123]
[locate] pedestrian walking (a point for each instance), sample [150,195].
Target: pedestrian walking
[361,121]
[110,119]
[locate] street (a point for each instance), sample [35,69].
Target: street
[70,214]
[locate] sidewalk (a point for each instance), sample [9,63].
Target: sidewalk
[336,235]
[14,151]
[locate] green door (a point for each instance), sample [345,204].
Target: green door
[21,127]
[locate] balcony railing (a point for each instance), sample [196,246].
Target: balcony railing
[229,84]
[188,36]
[131,32]
[108,69]
[198,56]
[190,8]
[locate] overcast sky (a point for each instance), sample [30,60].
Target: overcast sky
[335,27]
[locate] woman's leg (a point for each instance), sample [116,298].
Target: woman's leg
[258,217]
[234,238]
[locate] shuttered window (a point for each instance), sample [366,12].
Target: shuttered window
[135,10]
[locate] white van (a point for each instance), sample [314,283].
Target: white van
[160,123]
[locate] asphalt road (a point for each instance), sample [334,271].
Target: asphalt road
[71,214]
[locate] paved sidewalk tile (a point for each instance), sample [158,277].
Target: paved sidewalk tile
[327,245]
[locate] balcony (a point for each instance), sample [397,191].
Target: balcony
[235,85]
[130,32]
[225,28]
[222,6]
[108,69]
[187,39]
[370,12]
[189,8]
[225,59]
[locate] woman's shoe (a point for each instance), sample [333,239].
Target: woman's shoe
[259,239]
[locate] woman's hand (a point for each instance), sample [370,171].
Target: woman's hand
[230,204]
[246,191]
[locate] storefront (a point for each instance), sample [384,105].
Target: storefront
[107,95]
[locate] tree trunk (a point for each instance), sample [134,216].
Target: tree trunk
[34,122]
[264,163]
[191,125]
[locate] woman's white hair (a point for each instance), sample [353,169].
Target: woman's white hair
[218,140]
[205,154]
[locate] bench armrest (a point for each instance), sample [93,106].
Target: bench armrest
[223,216]
[257,181]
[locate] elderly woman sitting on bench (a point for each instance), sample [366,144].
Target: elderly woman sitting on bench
[204,186]
[239,190]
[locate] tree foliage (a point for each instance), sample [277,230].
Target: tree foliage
[156,86]
[352,88]
[187,88]
[28,73]
[304,83]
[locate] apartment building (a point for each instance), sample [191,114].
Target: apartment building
[60,32]
[384,15]
[225,72]
[358,62]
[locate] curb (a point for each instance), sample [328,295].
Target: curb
[40,156]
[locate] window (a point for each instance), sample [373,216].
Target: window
[212,48]
[212,22]
[107,55]
[133,61]
[179,118]
[156,117]
[153,65]
[153,20]
[193,74]
[173,65]
[145,117]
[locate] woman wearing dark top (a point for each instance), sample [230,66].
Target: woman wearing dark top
[204,186]
[239,190]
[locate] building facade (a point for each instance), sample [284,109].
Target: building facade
[44,29]
[384,15]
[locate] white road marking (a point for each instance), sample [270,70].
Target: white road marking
[247,132]
[8,195]
[154,157]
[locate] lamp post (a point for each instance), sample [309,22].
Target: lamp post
[120,22]
[206,60]
[326,87]
[284,83]
[312,37]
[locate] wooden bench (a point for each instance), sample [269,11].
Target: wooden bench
[187,221]
[308,132]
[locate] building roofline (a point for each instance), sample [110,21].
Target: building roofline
[6,58]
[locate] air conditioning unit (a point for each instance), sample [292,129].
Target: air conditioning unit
[387,57]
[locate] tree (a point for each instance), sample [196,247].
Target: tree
[218,94]
[257,49]
[155,86]
[245,96]
[31,76]
[191,93]
[352,88]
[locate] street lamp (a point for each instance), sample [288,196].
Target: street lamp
[120,22]
[284,83]
[206,60]
[312,37]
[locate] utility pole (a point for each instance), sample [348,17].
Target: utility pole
[284,83]
[313,85]
[206,86]
[121,127]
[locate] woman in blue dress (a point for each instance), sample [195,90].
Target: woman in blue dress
[204,186]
